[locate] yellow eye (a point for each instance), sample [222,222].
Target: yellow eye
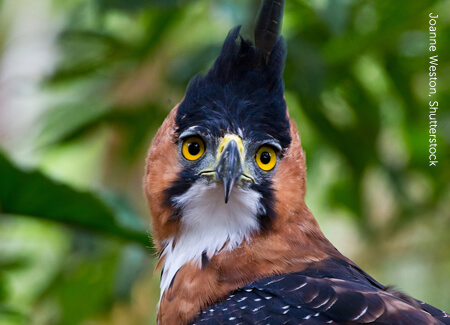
[266,158]
[193,148]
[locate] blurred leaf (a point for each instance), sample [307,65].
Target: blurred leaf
[33,194]
[63,121]
[12,264]
[135,5]
[3,288]
[135,123]
[87,52]
[11,316]
[130,266]
[84,288]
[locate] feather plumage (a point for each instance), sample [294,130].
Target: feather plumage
[333,291]
[268,25]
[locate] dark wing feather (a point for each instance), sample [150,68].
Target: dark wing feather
[335,292]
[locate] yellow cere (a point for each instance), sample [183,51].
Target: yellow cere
[193,148]
[266,158]
[227,138]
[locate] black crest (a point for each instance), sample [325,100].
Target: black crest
[243,91]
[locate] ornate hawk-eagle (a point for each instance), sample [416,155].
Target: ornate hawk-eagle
[225,181]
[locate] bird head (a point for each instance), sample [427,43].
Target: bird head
[227,166]
[232,126]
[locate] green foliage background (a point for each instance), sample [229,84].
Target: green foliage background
[74,132]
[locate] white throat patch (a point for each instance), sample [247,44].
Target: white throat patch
[208,224]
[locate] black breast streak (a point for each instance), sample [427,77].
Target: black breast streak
[205,259]
[314,297]
[267,214]
[173,280]
[181,185]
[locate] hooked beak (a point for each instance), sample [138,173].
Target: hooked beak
[229,168]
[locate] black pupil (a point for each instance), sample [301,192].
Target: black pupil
[265,158]
[194,148]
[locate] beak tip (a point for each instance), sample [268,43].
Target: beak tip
[227,188]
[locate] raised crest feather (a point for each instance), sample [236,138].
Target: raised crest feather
[268,25]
